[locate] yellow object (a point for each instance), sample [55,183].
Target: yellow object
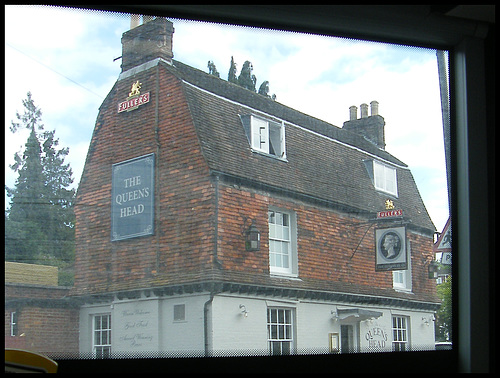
[30,274]
[23,361]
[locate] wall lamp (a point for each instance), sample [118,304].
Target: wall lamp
[426,321]
[335,315]
[433,269]
[252,238]
[243,310]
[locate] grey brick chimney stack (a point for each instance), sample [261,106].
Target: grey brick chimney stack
[370,126]
[143,43]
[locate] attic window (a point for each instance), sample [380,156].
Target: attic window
[383,176]
[265,136]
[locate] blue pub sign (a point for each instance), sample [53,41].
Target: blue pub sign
[132,206]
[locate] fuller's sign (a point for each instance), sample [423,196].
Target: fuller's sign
[133,103]
[132,206]
[389,214]
[135,99]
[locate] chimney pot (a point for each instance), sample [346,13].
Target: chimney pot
[135,20]
[353,112]
[364,110]
[374,108]
[143,43]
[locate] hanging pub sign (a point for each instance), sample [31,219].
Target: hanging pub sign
[132,205]
[390,249]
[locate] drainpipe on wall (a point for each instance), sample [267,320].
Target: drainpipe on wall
[205,323]
[215,260]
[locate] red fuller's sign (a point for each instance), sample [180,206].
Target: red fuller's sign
[390,214]
[134,100]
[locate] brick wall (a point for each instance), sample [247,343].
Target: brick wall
[46,323]
[182,247]
[45,330]
[34,291]
[326,241]
[183,241]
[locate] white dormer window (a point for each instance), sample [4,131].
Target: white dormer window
[265,136]
[384,178]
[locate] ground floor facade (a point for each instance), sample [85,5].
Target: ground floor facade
[224,323]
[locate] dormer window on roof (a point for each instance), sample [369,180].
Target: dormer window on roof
[383,176]
[265,136]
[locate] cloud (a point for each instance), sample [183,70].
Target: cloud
[70,69]
[56,55]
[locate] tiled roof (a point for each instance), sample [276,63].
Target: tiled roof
[323,162]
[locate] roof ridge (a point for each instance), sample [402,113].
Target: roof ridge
[243,96]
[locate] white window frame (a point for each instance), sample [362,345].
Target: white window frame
[385,178]
[400,333]
[401,279]
[101,347]
[282,237]
[268,136]
[14,329]
[280,330]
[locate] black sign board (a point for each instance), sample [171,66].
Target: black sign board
[132,206]
[390,249]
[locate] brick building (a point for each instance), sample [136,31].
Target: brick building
[38,315]
[182,166]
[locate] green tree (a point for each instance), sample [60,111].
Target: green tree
[247,79]
[231,75]
[444,314]
[39,225]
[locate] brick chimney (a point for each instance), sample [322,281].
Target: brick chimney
[370,126]
[143,43]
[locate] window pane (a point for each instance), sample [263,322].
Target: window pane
[285,348]
[285,261]
[274,316]
[278,233]
[272,231]
[274,332]
[272,259]
[285,220]
[272,217]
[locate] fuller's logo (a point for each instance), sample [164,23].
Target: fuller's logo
[135,99]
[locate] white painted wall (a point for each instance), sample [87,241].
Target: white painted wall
[147,325]
[235,333]
[185,337]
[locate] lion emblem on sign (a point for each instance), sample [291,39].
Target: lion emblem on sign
[135,91]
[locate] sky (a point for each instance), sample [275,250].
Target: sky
[66,59]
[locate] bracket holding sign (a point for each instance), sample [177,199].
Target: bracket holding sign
[389,215]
